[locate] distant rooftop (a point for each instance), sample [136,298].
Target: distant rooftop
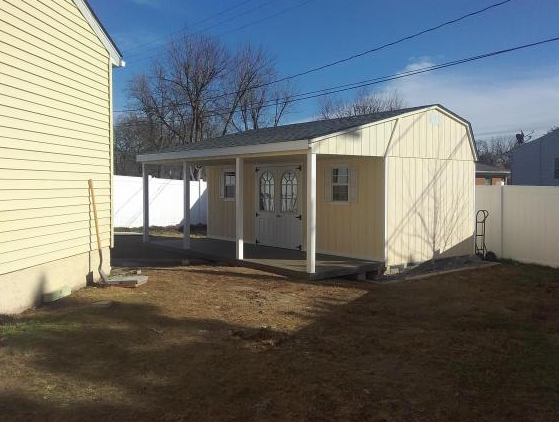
[486,168]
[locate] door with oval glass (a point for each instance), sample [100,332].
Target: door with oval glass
[278,206]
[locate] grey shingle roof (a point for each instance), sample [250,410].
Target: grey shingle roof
[293,132]
[490,169]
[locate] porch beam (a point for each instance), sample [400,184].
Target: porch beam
[239,200]
[311,212]
[186,206]
[145,208]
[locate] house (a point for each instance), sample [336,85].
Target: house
[55,134]
[491,175]
[537,162]
[389,188]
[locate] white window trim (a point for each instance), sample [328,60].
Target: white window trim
[222,180]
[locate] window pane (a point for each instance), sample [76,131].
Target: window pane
[229,184]
[340,175]
[488,181]
[289,195]
[229,191]
[340,193]
[266,197]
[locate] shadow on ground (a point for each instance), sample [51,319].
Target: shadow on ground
[462,347]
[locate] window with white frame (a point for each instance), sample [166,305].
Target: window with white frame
[229,184]
[340,184]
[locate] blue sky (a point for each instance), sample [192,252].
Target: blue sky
[498,95]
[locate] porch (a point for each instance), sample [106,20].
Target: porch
[288,262]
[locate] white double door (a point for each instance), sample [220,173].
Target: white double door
[278,206]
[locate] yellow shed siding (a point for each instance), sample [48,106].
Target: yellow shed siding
[221,213]
[430,186]
[55,133]
[353,229]
[370,140]
[430,209]
[431,134]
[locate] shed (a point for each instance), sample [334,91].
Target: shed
[55,133]
[337,196]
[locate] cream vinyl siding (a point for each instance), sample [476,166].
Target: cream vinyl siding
[55,133]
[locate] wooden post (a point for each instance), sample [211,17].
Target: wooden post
[311,212]
[239,169]
[145,185]
[186,206]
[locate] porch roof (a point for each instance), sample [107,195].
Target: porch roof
[272,139]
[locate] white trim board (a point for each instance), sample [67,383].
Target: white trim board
[226,152]
[97,27]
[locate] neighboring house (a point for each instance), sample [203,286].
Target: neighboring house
[537,162]
[491,175]
[55,134]
[393,188]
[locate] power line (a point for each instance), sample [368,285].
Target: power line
[191,26]
[288,9]
[388,78]
[370,51]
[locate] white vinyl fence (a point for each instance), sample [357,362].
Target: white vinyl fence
[523,222]
[165,202]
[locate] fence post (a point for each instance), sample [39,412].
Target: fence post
[502,221]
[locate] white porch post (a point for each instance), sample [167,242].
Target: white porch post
[145,190]
[239,169]
[186,206]
[311,212]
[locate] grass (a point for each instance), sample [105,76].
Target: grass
[232,344]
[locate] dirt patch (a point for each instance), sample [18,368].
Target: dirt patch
[233,344]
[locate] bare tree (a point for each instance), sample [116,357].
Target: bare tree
[365,102]
[496,151]
[201,89]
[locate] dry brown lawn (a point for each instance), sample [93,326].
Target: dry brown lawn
[228,344]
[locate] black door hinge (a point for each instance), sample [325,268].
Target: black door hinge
[256,241]
[299,217]
[299,168]
[300,247]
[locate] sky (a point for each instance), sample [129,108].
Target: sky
[499,95]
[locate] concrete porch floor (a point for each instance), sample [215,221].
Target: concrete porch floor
[276,260]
